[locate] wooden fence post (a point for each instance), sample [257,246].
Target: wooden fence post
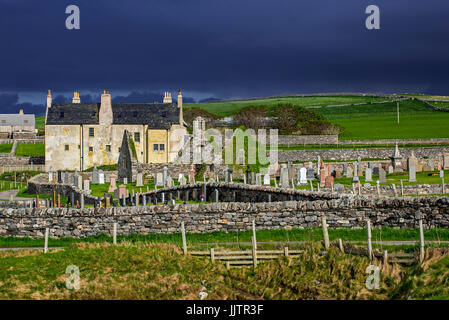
[402,188]
[286,251]
[340,245]
[254,245]
[368,230]
[114,233]
[385,257]
[421,241]
[212,255]
[184,243]
[47,231]
[325,233]
[442,185]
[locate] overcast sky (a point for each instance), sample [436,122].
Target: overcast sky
[219,48]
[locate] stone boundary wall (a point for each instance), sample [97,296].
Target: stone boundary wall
[347,212]
[351,154]
[431,106]
[28,140]
[313,139]
[393,141]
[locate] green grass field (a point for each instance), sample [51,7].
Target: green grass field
[30,150]
[5,147]
[40,124]
[227,108]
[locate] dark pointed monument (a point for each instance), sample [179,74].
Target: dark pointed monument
[127,162]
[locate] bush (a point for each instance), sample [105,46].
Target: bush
[252,117]
[320,127]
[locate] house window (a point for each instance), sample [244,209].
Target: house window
[135,114]
[108,148]
[161,147]
[61,114]
[119,148]
[25,121]
[3,121]
[91,149]
[91,132]
[79,147]
[66,147]
[137,136]
[155,147]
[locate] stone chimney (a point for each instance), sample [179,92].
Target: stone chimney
[76,97]
[21,111]
[49,100]
[105,114]
[181,117]
[167,97]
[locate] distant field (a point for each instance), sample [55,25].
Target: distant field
[226,108]
[380,121]
[442,104]
[40,124]
[30,150]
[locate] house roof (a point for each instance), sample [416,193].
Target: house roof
[155,115]
[17,120]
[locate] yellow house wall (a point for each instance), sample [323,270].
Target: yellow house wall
[56,137]
[157,136]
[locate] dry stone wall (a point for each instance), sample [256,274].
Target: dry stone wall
[348,212]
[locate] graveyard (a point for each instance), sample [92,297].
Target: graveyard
[336,201]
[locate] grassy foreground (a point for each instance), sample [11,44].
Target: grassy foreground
[160,271]
[214,238]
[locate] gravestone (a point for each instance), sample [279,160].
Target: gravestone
[266,179]
[277,169]
[370,165]
[123,192]
[291,172]
[412,161]
[80,182]
[345,168]
[112,183]
[192,174]
[382,176]
[310,174]
[165,175]
[50,175]
[183,181]
[75,178]
[426,167]
[284,178]
[95,175]
[412,174]
[241,157]
[159,179]
[169,182]
[359,166]
[298,174]
[355,177]
[445,161]
[329,181]
[303,176]
[441,173]
[127,162]
[376,170]
[59,176]
[101,177]
[139,179]
[390,169]
[318,166]
[86,186]
[65,177]
[116,194]
[368,175]
[107,178]
[349,172]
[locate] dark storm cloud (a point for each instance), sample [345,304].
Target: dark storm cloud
[232,48]
[9,103]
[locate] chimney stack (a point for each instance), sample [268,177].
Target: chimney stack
[167,97]
[105,115]
[76,97]
[21,111]
[49,100]
[181,117]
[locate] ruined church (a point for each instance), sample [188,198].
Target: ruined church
[79,135]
